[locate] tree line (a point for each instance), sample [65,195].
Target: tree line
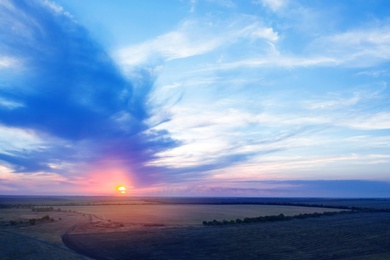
[272,218]
[32,221]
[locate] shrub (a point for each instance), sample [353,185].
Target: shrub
[47,218]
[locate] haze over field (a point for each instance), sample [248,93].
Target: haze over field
[195,97]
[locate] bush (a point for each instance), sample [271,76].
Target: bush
[47,218]
[280,217]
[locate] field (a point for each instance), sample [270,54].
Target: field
[39,241]
[186,215]
[363,235]
[171,228]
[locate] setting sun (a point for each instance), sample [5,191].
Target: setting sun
[121,189]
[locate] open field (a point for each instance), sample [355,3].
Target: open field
[185,215]
[47,231]
[171,228]
[39,241]
[60,201]
[364,235]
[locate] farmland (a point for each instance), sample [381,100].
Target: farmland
[41,240]
[365,235]
[187,215]
[171,228]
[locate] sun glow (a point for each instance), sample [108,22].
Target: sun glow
[109,177]
[121,189]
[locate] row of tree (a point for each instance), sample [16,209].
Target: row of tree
[43,209]
[32,221]
[272,218]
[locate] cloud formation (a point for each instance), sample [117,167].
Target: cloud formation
[72,99]
[195,37]
[222,94]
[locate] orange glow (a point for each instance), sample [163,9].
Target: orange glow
[121,189]
[108,178]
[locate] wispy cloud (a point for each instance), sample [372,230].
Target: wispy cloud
[370,121]
[209,134]
[274,5]
[195,37]
[278,60]
[8,62]
[282,188]
[357,47]
[361,48]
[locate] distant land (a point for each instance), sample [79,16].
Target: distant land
[120,227]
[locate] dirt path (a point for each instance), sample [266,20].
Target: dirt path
[68,242]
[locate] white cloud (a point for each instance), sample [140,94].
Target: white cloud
[271,167]
[278,61]
[376,73]
[9,104]
[372,121]
[56,8]
[375,92]
[366,141]
[15,139]
[223,3]
[195,37]
[27,182]
[210,133]
[8,62]
[333,101]
[53,6]
[265,33]
[173,45]
[274,5]
[359,47]
[19,22]
[205,136]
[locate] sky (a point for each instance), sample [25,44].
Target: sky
[280,98]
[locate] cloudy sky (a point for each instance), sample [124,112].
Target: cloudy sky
[195,97]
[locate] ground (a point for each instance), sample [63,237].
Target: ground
[172,229]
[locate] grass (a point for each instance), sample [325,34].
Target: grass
[47,231]
[39,241]
[335,237]
[188,214]
[165,228]
[16,246]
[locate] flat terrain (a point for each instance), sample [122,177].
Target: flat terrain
[354,236]
[171,228]
[39,241]
[187,214]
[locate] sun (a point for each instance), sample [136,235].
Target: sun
[121,189]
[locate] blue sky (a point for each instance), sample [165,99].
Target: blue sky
[195,98]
